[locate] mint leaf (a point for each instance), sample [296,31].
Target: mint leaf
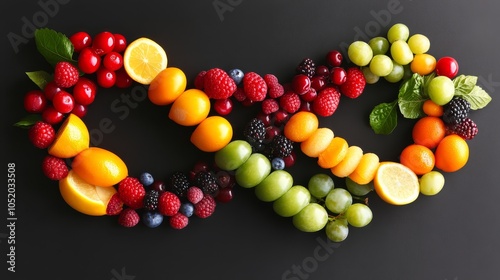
[54,46]
[28,121]
[477,97]
[464,84]
[411,97]
[384,118]
[40,78]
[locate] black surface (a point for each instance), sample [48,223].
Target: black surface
[451,236]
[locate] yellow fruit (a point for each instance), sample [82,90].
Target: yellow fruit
[71,138]
[99,167]
[143,59]
[301,126]
[334,153]
[167,86]
[366,169]
[190,108]
[349,163]
[396,184]
[452,153]
[212,134]
[317,142]
[84,197]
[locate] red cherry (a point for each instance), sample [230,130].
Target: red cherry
[301,84]
[63,102]
[318,82]
[103,43]
[79,110]
[88,61]
[80,40]
[338,76]
[223,106]
[265,118]
[334,58]
[51,115]
[225,195]
[35,101]
[310,95]
[51,88]
[305,106]
[120,43]
[105,77]
[280,117]
[271,132]
[84,91]
[290,159]
[322,71]
[123,80]
[113,61]
[447,66]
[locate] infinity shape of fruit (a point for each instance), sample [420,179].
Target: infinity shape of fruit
[99,183]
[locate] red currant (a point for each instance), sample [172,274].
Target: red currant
[447,66]
[265,118]
[301,84]
[280,117]
[113,61]
[51,115]
[290,159]
[120,43]
[35,101]
[338,76]
[334,58]
[310,95]
[63,102]
[84,91]
[123,80]
[80,40]
[103,43]
[79,110]
[271,132]
[225,195]
[105,77]
[317,83]
[223,106]
[322,70]
[88,61]
[51,88]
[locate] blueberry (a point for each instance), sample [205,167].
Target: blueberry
[236,75]
[146,179]
[278,163]
[152,219]
[187,209]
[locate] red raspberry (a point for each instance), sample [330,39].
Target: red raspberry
[205,208]
[54,168]
[326,102]
[290,102]
[270,106]
[275,89]
[168,204]
[131,192]
[115,205]
[218,84]
[254,86]
[239,95]
[41,134]
[128,218]
[354,84]
[194,195]
[65,74]
[179,221]
[199,80]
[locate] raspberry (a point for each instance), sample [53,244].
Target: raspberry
[199,80]
[178,221]
[115,205]
[326,103]
[65,74]
[456,111]
[206,181]
[205,208]
[151,199]
[179,183]
[281,146]
[41,134]
[467,129]
[306,67]
[218,84]
[354,84]
[128,218]
[168,204]
[270,106]
[254,86]
[275,89]
[54,168]
[194,194]
[131,192]
[239,94]
[290,102]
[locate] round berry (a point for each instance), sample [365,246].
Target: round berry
[123,80]
[79,110]
[50,89]
[187,209]
[35,101]
[225,195]
[120,42]
[447,66]
[84,91]
[63,102]
[159,185]
[88,61]
[51,115]
[310,95]
[146,179]
[278,163]
[80,40]
[318,83]
[223,106]
[105,77]
[237,75]
[322,71]
[103,43]
[301,84]
[152,219]
[113,61]
[334,58]
[338,75]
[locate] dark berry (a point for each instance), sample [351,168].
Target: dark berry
[282,146]
[255,130]
[146,179]
[236,75]
[178,183]
[278,163]
[456,111]
[467,129]
[151,199]
[207,182]
[187,209]
[225,195]
[306,67]
[152,219]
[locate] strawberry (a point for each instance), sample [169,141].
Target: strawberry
[115,205]
[54,168]
[275,89]
[41,134]
[354,84]
[290,102]
[327,101]
[168,204]
[65,74]
[128,218]
[131,192]
[254,86]
[218,84]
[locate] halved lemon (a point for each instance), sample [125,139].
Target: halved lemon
[144,59]
[396,184]
[71,138]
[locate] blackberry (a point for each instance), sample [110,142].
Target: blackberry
[281,146]
[151,200]
[467,129]
[206,181]
[306,67]
[456,111]
[255,133]
[179,183]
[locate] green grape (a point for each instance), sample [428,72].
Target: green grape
[369,76]
[419,43]
[360,53]
[441,90]
[357,189]
[381,65]
[401,52]
[311,218]
[359,215]
[379,45]
[431,183]
[398,31]
[320,185]
[397,73]
[337,230]
[338,200]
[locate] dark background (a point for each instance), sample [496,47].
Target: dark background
[453,235]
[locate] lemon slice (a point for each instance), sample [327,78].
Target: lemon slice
[396,184]
[144,59]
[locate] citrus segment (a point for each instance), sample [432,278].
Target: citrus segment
[418,158]
[349,163]
[396,184]
[452,153]
[301,126]
[212,134]
[71,138]
[84,197]
[144,59]
[190,108]
[100,167]
[317,142]
[167,86]
[334,153]
[366,169]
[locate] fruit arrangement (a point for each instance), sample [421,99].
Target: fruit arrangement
[95,181]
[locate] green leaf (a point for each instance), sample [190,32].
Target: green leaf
[464,84]
[411,97]
[384,118]
[40,78]
[477,97]
[427,79]
[54,46]
[28,121]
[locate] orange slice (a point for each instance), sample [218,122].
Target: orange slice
[144,59]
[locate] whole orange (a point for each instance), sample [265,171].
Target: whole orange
[452,153]
[428,131]
[418,158]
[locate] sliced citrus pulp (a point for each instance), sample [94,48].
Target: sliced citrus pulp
[396,184]
[144,59]
[71,138]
